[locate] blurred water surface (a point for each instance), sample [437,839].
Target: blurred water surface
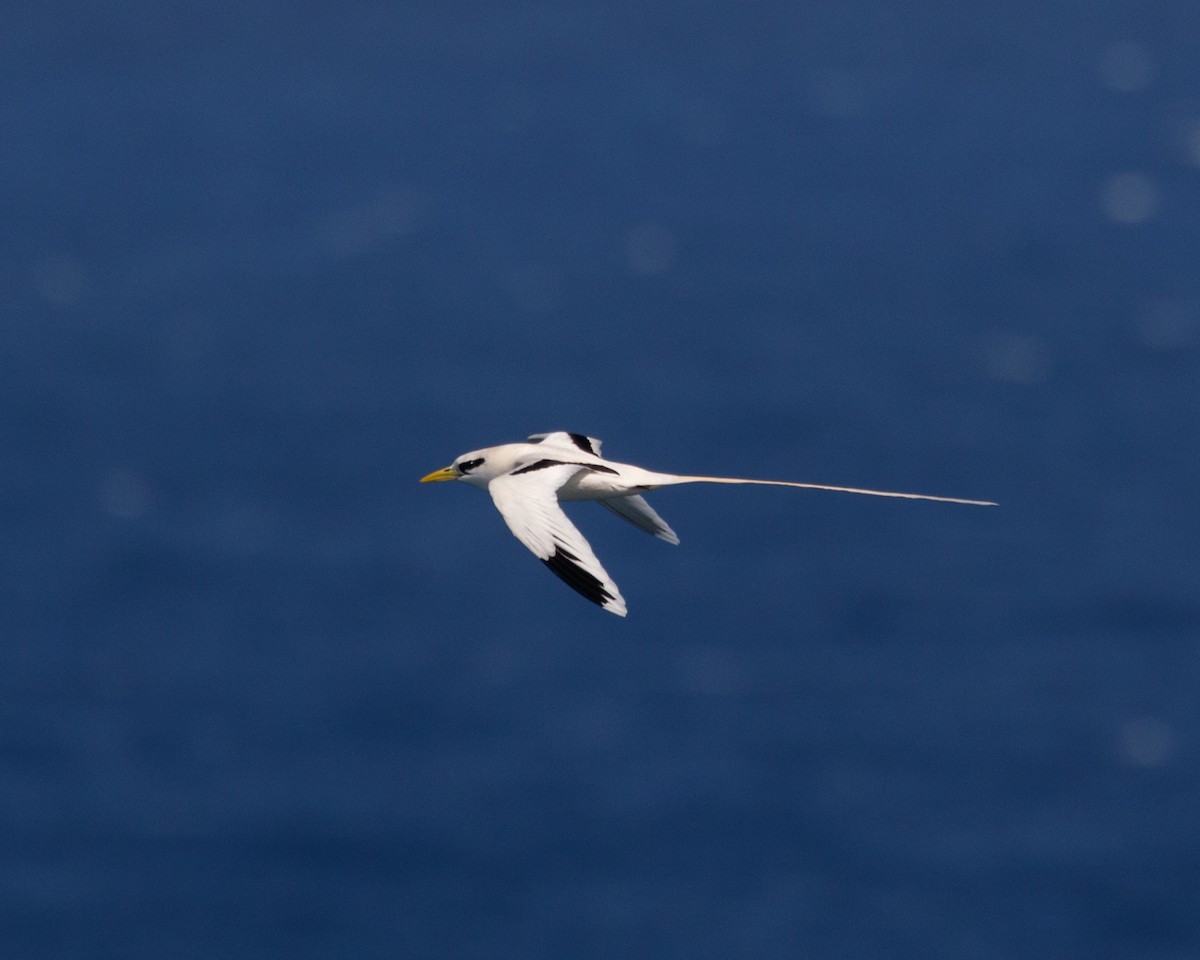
[265,265]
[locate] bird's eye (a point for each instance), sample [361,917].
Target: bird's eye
[468,465]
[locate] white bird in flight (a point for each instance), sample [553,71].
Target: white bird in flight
[527,481]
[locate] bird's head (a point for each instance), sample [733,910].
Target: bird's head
[476,468]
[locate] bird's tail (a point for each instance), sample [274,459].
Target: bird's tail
[669,480]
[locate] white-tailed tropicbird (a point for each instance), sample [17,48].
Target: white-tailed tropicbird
[527,481]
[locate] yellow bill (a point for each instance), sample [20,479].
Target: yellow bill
[446,473]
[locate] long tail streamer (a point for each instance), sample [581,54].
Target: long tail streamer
[822,486]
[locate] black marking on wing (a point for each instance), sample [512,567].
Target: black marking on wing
[583,443]
[543,464]
[565,565]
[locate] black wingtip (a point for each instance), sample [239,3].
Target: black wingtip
[565,565]
[583,443]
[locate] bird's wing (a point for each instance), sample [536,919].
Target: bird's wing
[528,502]
[564,438]
[637,511]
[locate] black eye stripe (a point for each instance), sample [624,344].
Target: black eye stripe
[468,465]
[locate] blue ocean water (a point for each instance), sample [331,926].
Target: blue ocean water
[265,265]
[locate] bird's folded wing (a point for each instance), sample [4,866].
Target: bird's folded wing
[637,511]
[528,502]
[564,438]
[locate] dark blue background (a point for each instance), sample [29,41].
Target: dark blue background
[265,264]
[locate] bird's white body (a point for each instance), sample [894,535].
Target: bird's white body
[527,481]
[606,478]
